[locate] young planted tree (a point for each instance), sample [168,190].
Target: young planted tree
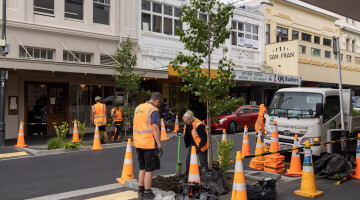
[126,79]
[207,28]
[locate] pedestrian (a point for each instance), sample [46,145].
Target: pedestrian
[195,134]
[147,142]
[99,116]
[116,114]
[259,124]
[166,113]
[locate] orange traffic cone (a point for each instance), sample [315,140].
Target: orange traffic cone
[274,163]
[245,149]
[260,135]
[128,169]
[357,167]
[295,164]
[96,143]
[274,145]
[21,139]
[176,127]
[194,175]
[163,131]
[258,162]
[308,184]
[224,137]
[75,133]
[239,187]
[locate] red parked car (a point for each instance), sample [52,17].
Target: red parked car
[233,121]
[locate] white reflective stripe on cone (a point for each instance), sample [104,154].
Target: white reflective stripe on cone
[194,177]
[163,129]
[21,134]
[128,161]
[21,126]
[308,169]
[274,139]
[245,141]
[193,159]
[259,145]
[239,186]
[128,148]
[96,136]
[75,131]
[358,155]
[239,166]
[295,154]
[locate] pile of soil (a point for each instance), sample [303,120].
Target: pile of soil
[170,183]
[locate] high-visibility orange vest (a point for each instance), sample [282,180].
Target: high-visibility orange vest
[260,120]
[143,131]
[195,135]
[99,114]
[116,114]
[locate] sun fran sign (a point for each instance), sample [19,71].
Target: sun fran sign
[266,78]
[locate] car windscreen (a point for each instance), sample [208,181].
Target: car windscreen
[228,112]
[294,104]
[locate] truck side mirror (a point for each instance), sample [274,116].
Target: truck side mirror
[319,109]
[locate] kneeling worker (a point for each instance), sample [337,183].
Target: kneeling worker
[147,141]
[195,134]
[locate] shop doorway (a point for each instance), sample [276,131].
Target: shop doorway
[45,103]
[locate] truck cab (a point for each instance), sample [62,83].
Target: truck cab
[308,112]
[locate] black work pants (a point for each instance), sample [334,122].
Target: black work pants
[119,131]
[203,159]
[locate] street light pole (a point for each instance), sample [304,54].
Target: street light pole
[336,48]
[2,80]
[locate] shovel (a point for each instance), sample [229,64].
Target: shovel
[179,164]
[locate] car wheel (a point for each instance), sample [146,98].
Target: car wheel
[232,127]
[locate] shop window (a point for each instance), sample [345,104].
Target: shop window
[281,34]
[74,9]
[36,53]
[316,39]
[327,54]
[160,18]
[267,33]
[295,35]
[83,57]
[347,44]
[302,49]
[243,30]
[327,42]
[306,37]
[348,58]
[44,7]
[353,46]
[357,60]
[315,52]
[101,12]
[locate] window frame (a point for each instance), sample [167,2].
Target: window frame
[173,17]
[81,54]
[31,51]
[326,42]
[317,37]
[267,34]
[70,18]
[292,34]
[283,36]
[244,32]
[96,2]
[348,58]
[44,13]
[306,34]
[325,51]
[301,46]
[312,52]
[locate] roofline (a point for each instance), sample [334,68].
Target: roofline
[336,18]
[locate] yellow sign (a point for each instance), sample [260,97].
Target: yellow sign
[173,72]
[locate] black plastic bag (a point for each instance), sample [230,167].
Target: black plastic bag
[263,190]
[213,181]
[333,166]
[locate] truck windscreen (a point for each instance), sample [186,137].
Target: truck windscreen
[294,104]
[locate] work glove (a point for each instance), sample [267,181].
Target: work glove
[159,151]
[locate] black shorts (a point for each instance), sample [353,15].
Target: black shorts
[148,159]
[102,128]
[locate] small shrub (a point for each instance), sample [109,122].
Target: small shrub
[224,154]
[67,144]
[54,143]
[62,130]
[356,112]
[82,130]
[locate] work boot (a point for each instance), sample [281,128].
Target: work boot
[140,194]
[149,195]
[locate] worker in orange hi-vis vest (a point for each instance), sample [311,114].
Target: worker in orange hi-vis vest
[99,116]
[116,114]
[195,134]
[146,134]
[260,121]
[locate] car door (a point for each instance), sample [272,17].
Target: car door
[254,115]
[243,117]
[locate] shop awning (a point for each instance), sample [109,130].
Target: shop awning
[172,72]
[266,78]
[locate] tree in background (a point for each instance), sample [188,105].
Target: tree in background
[126,79]
[208,28]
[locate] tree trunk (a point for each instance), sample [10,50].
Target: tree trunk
[210,152]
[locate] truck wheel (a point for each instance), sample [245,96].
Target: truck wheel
[232,127]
